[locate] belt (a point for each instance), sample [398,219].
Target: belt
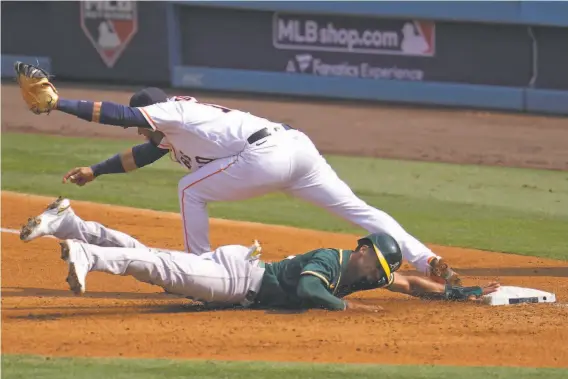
[263,133]
[256,281]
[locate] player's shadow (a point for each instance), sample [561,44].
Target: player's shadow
[284,311]
[89,312]
[51,312]
[190,308]
[198,307]
[46,292]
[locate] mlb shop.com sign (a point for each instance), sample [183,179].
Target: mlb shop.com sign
[353,35]
[109,25]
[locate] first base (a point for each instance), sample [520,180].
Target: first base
[508,295]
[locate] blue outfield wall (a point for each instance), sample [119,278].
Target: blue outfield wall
[427,93]
[432,93]
[546,101]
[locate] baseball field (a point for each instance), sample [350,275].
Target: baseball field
[487,191]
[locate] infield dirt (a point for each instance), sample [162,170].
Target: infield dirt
[121,317]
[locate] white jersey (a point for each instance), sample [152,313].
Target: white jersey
[198,133]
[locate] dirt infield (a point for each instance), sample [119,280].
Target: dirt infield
[120,317]
[346,128]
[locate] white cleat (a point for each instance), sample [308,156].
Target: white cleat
[47,222]
[73,254]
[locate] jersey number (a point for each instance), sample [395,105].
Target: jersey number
[185,160]
[203,161]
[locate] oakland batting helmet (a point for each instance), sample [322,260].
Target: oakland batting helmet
[387,250]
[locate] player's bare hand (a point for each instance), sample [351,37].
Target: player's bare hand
[357,306]
[485,290]
[490,288]
[79,176]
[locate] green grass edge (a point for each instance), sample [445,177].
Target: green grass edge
[27,366]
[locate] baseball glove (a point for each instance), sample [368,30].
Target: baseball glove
[455,293]
[38,92]
[458,293]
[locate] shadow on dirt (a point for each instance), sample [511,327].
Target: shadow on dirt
[47,292]
[182,306]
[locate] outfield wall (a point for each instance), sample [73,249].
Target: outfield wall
[69,41]
[493,55]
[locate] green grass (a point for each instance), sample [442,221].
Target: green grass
[494,208]
[83,368]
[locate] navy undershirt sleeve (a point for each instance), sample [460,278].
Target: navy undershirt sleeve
[104,112]
[113,165]
[147,153]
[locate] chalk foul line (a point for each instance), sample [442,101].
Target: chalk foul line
[16,231]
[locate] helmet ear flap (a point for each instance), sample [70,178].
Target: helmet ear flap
[395,266]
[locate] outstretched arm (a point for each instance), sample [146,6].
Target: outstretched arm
[422,287]
[104,112]
[41,96]
[414,285]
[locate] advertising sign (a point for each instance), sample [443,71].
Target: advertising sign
[354,35]
[109,25]
[307,63]
[359,47]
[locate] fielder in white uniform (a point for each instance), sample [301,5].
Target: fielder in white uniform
[234,155]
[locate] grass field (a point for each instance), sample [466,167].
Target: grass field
[82,368]
[492,208]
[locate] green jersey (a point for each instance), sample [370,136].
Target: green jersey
[279,288]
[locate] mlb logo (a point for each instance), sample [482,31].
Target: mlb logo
[418,38]
[109,25]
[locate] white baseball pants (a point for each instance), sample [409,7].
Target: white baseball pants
[74,227]
[223,276]
[286,161]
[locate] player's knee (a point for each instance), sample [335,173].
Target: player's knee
[191,199]
[187,192]
[182,185]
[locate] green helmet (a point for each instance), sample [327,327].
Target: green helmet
[387,250]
